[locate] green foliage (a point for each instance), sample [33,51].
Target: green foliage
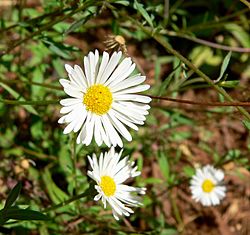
[14,213]
[36,42]
[14,193]
[224,65]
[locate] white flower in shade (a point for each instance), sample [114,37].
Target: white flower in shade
[104,99]
[207,186]
[110,173]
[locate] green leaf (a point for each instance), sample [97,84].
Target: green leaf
[247,124]
[239,33]
[24,214]
[229,84]
[164,165]
[58,48]
[189,171]
[78,23]
[122,2]
[14,193]
[60,52]
[180,135]
[18,97]
[56,194]
[224,65]
[169,231]
[144,13]
[167,81]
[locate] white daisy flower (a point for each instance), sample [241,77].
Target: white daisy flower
[110,173]
[206,186]
[103,99]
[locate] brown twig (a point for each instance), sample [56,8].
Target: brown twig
[243,104]
[210,44]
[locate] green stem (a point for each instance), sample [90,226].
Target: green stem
[55,13]
[161,40]
[54,87]
[176,213]
[65,203]
[46,27]
[30,102]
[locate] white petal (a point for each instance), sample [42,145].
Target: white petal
[68,68]
[70,101]
[125,110]
[105,60]
[137,98]
[97,197]
[81,76]
[130,82]
[82,117]
[124,119]
[111,132]
[97,132]
[120,71]
[87,70]
[120,127]
[114,60]
[136,89]
[67,109]
[90,130]
[73,93]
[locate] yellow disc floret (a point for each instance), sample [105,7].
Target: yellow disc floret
[108,185]
[207,186]
[98,99]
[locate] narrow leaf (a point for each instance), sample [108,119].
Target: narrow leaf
[224,65]
[78,23]
[125,3]
[60,52]
[24,214]
[247,124]
[19,97]
[164,165]
[144,13]
[55,193]
[229,84]
[14,193]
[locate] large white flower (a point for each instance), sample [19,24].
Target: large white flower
[103,99]
[206,186]
[110,173]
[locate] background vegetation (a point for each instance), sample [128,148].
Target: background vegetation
[38,37]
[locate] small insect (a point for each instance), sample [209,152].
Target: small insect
[116,42]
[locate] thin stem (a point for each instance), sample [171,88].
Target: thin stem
[45,27]
[37,19]
[246,104]
[217,23]
[32,83]
[176,212]
[36,154]
[210,44]
[161,40]
[30,102]
[65,203]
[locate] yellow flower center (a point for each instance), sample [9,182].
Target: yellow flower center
[108,186]
[98,99]
[208,186]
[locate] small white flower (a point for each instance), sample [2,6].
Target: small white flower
[103,99]
[206,186]
[110,173]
